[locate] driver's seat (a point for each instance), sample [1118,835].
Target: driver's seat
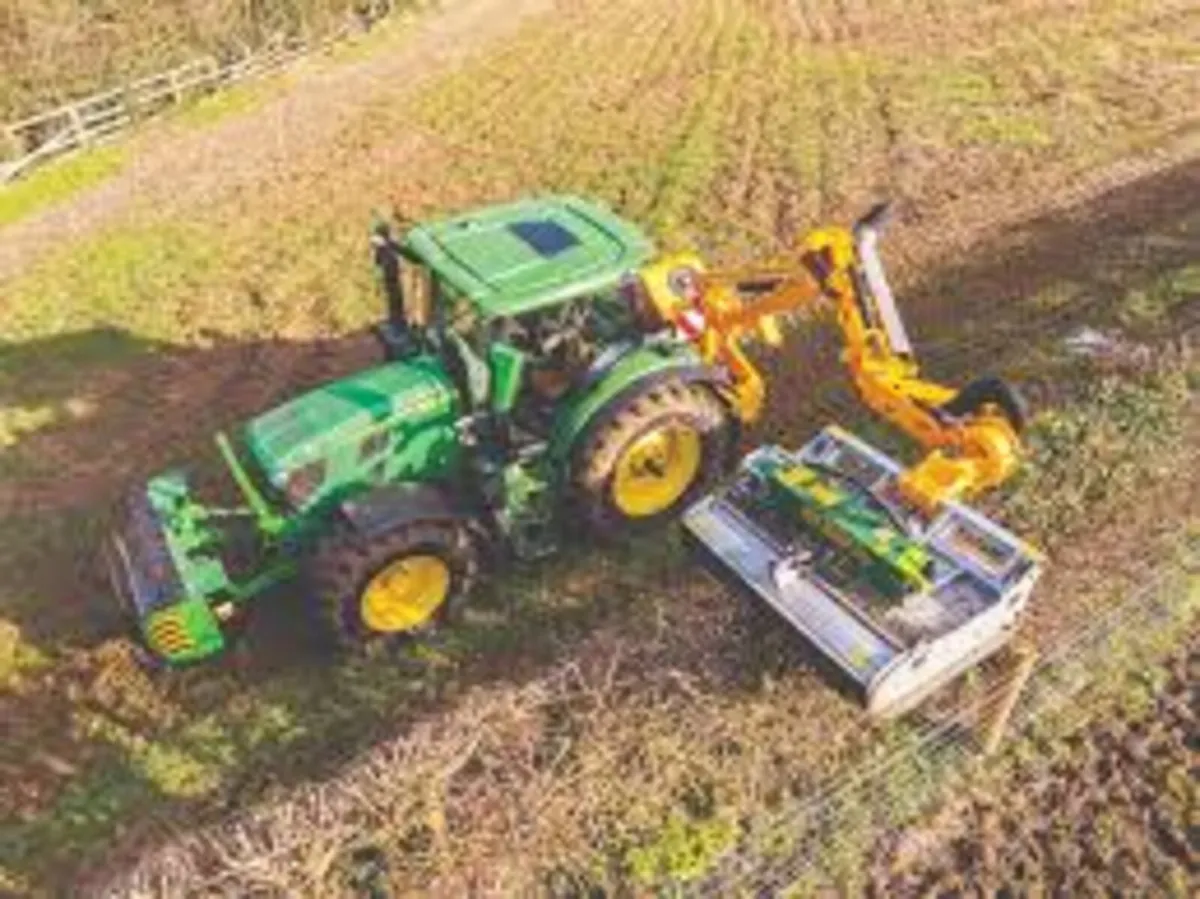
[550,383]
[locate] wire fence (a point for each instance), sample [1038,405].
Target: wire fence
[28,142]
[833,829]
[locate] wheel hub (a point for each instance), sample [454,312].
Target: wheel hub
[405,594]
[656,470]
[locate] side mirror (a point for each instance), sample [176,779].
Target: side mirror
[418,295]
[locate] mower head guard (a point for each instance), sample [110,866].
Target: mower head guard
[899,602]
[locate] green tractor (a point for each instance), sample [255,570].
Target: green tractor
[525,395]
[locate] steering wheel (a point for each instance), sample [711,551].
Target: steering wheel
[566,325]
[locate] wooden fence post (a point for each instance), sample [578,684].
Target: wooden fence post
[77,125]
[1023,664]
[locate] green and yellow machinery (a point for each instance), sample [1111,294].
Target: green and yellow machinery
[882,568]
[546,374]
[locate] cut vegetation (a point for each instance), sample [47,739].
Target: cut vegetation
[612,719]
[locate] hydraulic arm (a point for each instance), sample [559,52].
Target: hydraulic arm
[972,434]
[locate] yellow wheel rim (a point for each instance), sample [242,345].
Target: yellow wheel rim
[405,594]
[656,470]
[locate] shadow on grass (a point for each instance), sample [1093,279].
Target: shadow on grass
[100,762]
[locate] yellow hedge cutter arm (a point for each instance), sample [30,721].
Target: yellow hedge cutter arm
[972,434]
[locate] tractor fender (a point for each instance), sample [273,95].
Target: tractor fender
[639,369]
[378,511]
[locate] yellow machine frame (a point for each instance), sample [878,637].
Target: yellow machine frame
[970,450]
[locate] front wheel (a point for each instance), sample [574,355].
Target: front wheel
[396,585]
[654,454]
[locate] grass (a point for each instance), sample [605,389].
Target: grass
[612,717]
[96,282]
[1100,449]
[384,35]
[241,99]
[60,181]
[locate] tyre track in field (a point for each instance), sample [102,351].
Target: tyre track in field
[569,140]
[892,180]
[691,158]
[742,194]
[656,112]
[709,34]
[650,75]
[584,119]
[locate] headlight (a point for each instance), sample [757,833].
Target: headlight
[304,481]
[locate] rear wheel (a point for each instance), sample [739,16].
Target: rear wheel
[660,449]
[393,586]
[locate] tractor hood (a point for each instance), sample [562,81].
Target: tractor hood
[386,423]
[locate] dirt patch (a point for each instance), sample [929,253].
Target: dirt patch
[1112,813]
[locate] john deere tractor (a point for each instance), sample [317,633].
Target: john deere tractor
[526,391]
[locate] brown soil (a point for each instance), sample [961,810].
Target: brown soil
[1114,813]
[613,682]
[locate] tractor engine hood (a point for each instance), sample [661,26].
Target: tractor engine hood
[386,423]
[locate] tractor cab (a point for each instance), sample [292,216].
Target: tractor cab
[519,299]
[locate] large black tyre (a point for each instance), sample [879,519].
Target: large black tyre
[346,570]
[688,417]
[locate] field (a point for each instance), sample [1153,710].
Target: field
[611,719]
[1113,807]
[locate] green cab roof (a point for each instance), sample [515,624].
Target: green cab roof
[523,256]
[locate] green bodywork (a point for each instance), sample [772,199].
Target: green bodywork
[506,368]
[846,518]
[386,424]
[522,257]
[404,421]
[646,361]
